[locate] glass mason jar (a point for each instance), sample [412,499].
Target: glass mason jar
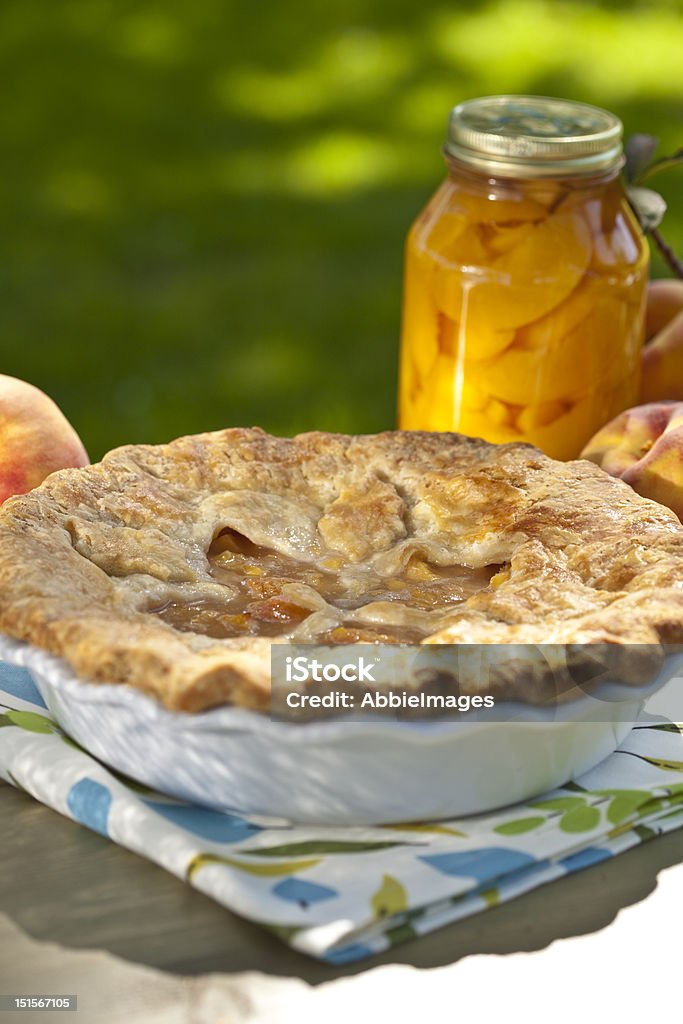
[524,289]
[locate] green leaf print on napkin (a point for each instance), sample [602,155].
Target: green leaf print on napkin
[321,846]
[660,762]
[676,812]
[401,933]
[390,898]
[290,867]
[519,826]
[574,814]
[624,802]
[559,803]
[580,819]
[491,897]
[412,826]
[32,722]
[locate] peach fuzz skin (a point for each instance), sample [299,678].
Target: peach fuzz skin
[664,302]
[644,447]
[662,358]
[35,438]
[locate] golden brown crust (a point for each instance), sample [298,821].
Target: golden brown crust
[85,555]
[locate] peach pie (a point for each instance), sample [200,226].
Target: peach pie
[174,568]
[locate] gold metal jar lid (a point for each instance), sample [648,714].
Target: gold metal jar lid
[534,136]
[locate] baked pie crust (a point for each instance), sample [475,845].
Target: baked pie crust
[173,568]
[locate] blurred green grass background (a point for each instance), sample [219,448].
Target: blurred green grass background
[204,205]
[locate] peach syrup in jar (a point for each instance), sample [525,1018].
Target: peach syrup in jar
[524,288]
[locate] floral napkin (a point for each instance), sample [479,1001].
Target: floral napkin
[341,894]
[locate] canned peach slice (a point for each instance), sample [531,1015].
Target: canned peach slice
[410,380]
[548,193]
[480,341]
[503,414]
[472,397]
[453,292]
[447,332]
[466,249]
[593,351]
[501,238]
[454,269]
[478,424]
[560,437]
[439,389]
[541,415]
[582,419]
[485,209]
[432,405]
[624,395]
[419,318]
[442,235]
[549,329]
[414,410]
[536,275]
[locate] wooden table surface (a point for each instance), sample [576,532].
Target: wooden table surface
[61,883]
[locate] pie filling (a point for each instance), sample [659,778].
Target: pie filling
[269,594]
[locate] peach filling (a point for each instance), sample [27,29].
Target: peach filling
[270,594]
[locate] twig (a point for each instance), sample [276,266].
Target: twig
[667,252]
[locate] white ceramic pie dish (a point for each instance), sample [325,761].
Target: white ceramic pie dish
[334,772]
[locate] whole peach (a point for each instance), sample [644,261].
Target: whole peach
[664,303]
[35,438]
[662,359]
[644,446]
[662,364]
